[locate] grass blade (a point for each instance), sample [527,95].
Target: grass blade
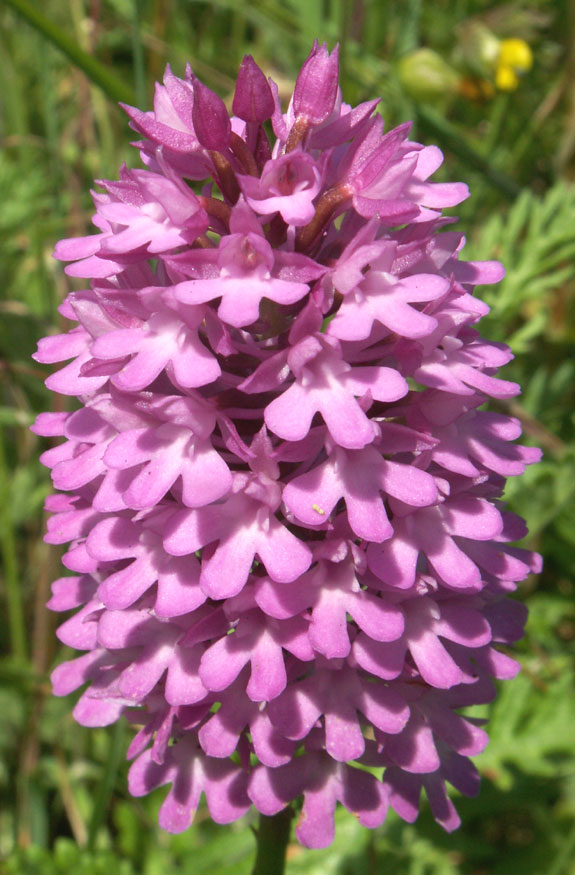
[16,621]
[450,138]
[98,73]
[107,785]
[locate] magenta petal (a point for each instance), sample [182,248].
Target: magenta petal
[328,631]
[272,789]
[68,676]
[294,712]
[413,749]
[284,555]
[404,792]
[183,684]
[442,807]
[179,589]
[270,746]
[380,620]
[364,796]
[384,660]
[268,678]
[432,659]
[316,828]
[384,707]
[222,663]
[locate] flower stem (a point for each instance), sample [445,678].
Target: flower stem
[272,837]
[106,787]
[323,213]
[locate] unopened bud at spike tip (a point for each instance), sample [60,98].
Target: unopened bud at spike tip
[210,117]
[316,86]
[253,100]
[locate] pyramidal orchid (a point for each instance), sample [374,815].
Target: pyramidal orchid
[290,563]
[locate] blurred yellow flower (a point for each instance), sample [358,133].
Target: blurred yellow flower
[515,57]
[516,53]
[480,65]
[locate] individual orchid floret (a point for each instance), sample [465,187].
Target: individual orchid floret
[115,540]
[332,591]
[242,526]
[168,341]
[258,640]
[359,476]
[297,709]
[142,210]
[220,735]
[245,263]
[462,365]
[244,270]
[191,773]
[434,531]
[163,455]
[381,173]
[288,185]
[325,383]
[170,124]
[384,298]
[323,782]
[426,622]
[290,560]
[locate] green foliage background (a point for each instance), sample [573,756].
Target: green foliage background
[63,66]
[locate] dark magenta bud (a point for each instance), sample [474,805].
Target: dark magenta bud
[253,100]
[210,117]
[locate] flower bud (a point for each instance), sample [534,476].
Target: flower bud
[477,49]
[426,76]
[316,86]
[210,117]
[253,101]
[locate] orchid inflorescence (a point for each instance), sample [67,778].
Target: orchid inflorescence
[290,560]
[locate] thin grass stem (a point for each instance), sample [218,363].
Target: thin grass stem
[16,620]
[107,784]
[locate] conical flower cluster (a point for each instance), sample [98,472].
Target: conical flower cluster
[289,558]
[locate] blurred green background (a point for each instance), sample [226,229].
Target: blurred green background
[494,85]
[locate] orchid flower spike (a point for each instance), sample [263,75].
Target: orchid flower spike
[280,493]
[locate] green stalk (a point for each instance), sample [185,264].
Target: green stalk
[272,837]
[138,56]
[409,32]
[106,787]
[346,10]
[99,74]
[16,620]
[497,119]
